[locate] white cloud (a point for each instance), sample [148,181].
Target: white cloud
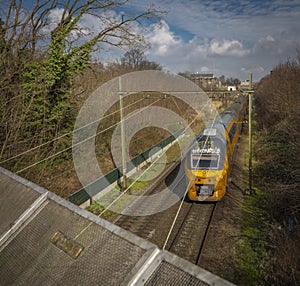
[228,48]
[216,36]
[55,16]
[162,40]
[267,45]
[253,69]
[205,69]
[270,39]
[224,37]
[227,35]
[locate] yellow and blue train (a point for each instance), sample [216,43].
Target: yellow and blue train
[209,157]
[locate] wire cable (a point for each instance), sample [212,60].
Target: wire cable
[85,140]
[143,172]
[127,189]
[66,134]
[180,206]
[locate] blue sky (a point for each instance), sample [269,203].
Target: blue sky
[223,37]
[230,38]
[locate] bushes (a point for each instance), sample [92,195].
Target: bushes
[277,149]
[252,265]
[277,172]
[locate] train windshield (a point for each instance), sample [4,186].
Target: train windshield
[208,153]
[205,161]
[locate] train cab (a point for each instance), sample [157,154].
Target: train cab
[205,161]
[209,156]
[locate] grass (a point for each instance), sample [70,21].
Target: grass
[111,203]
[251,261]
[141,179]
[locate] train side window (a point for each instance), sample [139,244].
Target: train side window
[232,132]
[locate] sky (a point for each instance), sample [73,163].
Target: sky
[224,37]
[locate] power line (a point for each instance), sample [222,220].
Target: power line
[85,140]
[66,134]
[127,189]
[113,202]
[188,187]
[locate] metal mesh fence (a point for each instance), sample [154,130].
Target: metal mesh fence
[167,274]
[61,244]
[13,201]
[32,259]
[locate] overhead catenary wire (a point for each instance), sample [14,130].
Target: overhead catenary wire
[83,141]
[185,193]
[118,198]
[128,188]
[178,211]
[113,202]
[66,134]
[131,142]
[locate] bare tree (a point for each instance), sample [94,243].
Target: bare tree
[25,27]
[277,171]
[135,59]
[43,46]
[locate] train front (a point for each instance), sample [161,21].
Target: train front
[206,165]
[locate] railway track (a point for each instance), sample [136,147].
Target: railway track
[189,231]
[190,238]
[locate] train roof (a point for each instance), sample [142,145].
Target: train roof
[232,112]
[221,122]
[215,130]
